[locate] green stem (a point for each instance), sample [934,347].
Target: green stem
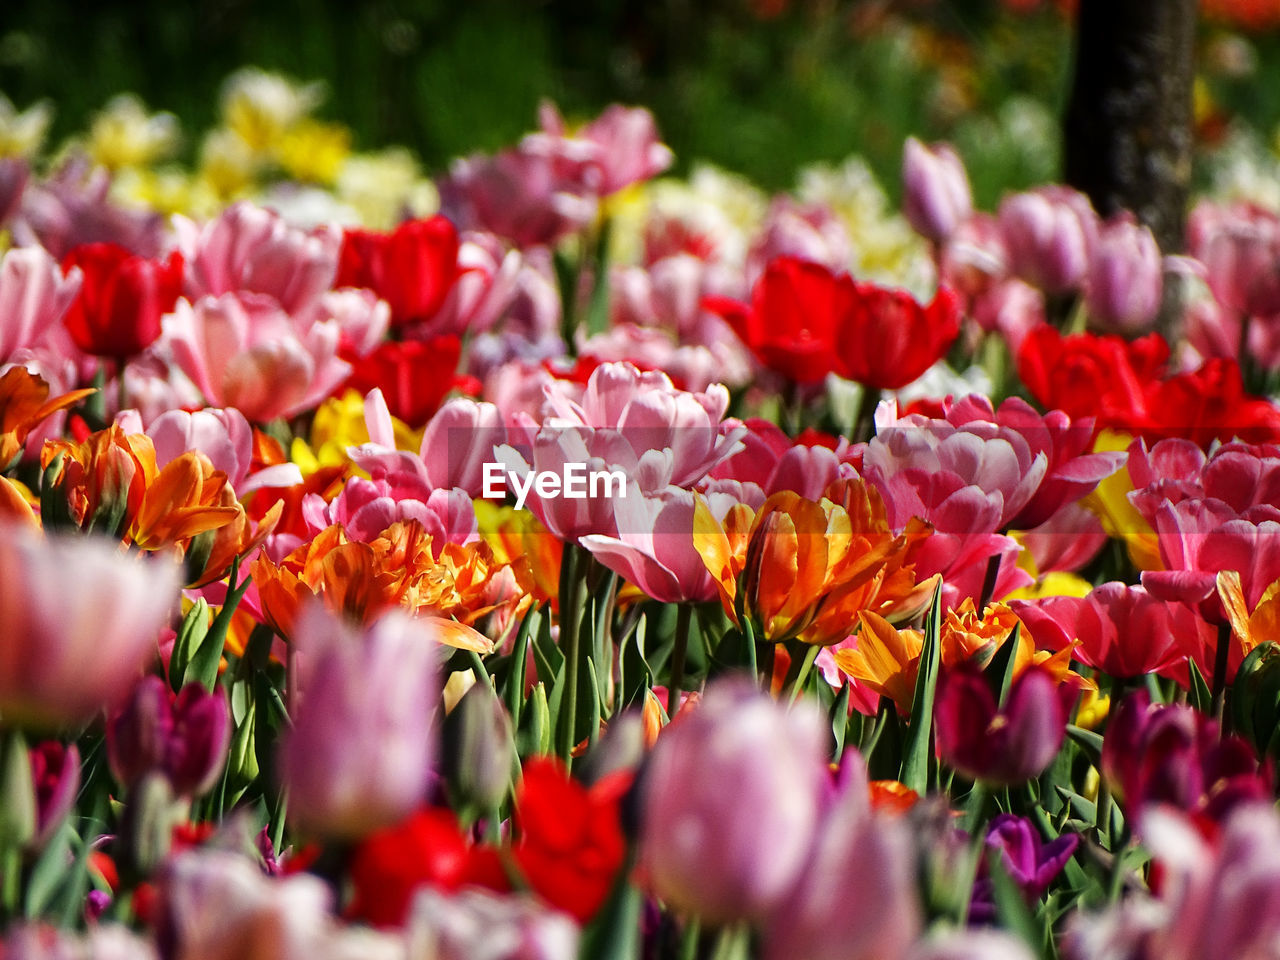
[570,588]
[749,636]
[1220,664]
[810,655]
[684,613]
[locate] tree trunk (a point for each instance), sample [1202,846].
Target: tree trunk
[1128,128]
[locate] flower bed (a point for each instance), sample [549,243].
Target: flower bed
[560,559]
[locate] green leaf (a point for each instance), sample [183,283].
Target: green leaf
[195,626]
[915,767]
[839,715]
[1012,910]
[203,667]
[614,933]
[1088,741]
[514,692]
[1003,663]
[1199,697]
[49,871]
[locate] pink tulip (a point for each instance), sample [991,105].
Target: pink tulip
[673,436]
[627,149]
[654,547]
[965,449]
[726,855]
[1071,472]
[184,737]
[1126,277]
[1050,235]
[359,753]
[534,193]
[936,195]
[1003,745]
[34,294]
[68,653]
[856,897]
[242,350]
[1198,538]
[72,207]
[1218,899]
[225,437]
[476,923]
[1122,630]
[810,232]
[456,443]
[771,462]
[248,249]
[363,319]
[975,258]
[1010,308]
[1239,246]
[219,905]
[366,508]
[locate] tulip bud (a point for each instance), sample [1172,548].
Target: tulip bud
[936,195]
[478,749]
[55,773]
[1005,745]
[1049,234]
[721,854]
[1125,277]
[1240,248]
[146,831]
[184,737]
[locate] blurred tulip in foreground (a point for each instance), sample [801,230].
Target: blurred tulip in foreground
[359,753]
[81,622]
[185,737]
[730,855]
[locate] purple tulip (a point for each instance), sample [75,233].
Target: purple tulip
[1030,863]
[55,773]
[936,194]
[998,746]
[183,737]
[731,797]
[1126,277]
[1049,233]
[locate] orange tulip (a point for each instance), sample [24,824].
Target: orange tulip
[805,569]
[24,403]
[362,580]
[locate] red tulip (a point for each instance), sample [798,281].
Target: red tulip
[122,298]
[571,845]
[791,323]
[1086,375]
[414,376]
[412,267]
[888,339]
[427,849]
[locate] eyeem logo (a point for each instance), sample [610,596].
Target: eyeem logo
[575,482]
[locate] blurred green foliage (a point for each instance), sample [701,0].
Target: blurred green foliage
[763,95]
